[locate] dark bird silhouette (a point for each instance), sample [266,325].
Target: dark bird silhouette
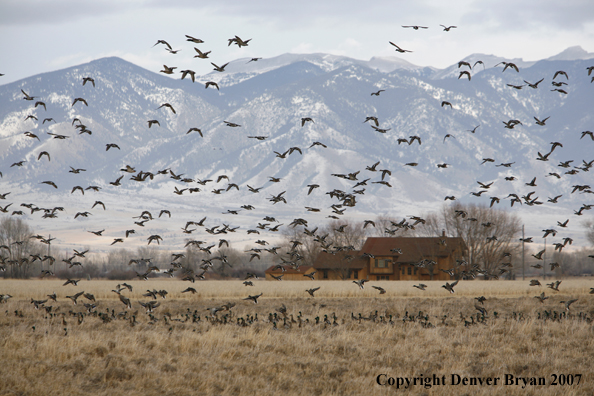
[211,83]
[194,39]
[164,43]
[219,68]
[508,64]
[50,183]
[398,49]
[195,130]
[253,298]
[380,289]
[88,79]
[360,283]
[192,74]
[306,119]
[167,69]
[474,129]
[535,85]
[466,74]
[201,55]
[560,73]
[238,41]
[541,122]
[170,107]
[450,287]
[27,96]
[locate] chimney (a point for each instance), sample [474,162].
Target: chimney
[443,233]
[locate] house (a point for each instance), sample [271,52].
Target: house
[290,273]
[341,266]
[394,258]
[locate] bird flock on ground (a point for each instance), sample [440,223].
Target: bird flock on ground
[292,257]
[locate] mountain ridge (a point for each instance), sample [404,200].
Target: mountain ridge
[272,103]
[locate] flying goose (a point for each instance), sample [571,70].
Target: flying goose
[253,298]
[192,74]
[219,68]
[360,283]
[450,287]
[398,49]
[312,291]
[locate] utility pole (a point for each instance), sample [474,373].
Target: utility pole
[523,237]
[544,264]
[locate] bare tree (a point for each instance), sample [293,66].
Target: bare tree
[15,237]
[386,226]
[589,225]
[488,233]
[305,245]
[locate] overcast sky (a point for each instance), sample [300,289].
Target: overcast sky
[38,36]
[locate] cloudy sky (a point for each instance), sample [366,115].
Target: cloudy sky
[37,36]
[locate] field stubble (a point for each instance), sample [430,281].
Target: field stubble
[177,354]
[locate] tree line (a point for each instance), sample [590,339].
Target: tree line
[492,237]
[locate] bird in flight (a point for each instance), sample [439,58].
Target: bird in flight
[201,55]
[211,83]
[398,49]
[164,43]
[508,64]
[194,39]
[170,107]
[186,72]
[253,298]
[88,79]
[219,68]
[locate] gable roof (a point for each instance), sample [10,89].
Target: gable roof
[413,249]
[334,261]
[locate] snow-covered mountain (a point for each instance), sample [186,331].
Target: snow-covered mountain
[269,98]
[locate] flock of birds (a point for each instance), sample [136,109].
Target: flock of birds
[293,257]
[280,318]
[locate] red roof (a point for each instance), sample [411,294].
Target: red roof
[340,260]
[413,249]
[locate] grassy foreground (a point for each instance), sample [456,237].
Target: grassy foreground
[181,348]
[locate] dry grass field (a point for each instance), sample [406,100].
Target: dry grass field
[336,343]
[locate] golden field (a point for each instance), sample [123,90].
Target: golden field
[182,349]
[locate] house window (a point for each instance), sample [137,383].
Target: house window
[415,271]
[381,263]
[379,277]
[325,274]
[355,274]
[403,270]
[409,270]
